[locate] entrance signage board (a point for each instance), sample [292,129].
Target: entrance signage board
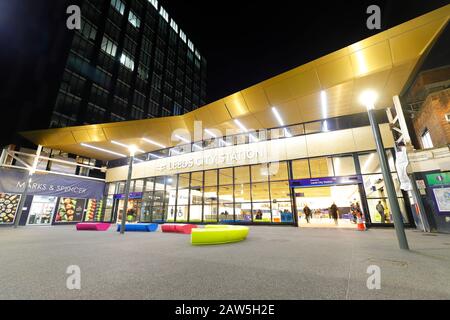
[132,195]
[325,181]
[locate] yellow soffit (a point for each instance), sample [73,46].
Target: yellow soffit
[383,62]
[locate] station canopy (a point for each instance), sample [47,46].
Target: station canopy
[385,63]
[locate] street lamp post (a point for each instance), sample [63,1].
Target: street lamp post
[368,99]
[127,189]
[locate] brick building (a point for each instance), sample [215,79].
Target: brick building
[429,102]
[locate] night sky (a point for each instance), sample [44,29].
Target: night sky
[248,41]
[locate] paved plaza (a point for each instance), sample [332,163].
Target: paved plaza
[273,263]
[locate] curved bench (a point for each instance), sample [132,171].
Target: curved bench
[139,227]
[92,226]
[178,228]
[218,234]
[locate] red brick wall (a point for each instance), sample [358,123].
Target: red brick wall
[432,117]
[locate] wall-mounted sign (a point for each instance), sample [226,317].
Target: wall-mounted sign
[442,197]
[326,181]
[421,187]
[131,195]
[231,158]
[14,181]
[438,179]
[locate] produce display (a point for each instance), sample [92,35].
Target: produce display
[8,207]
[94,210]
[70,210]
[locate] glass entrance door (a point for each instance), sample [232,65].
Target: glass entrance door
[133,214]
[330,206]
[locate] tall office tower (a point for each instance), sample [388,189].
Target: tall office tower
[129,61]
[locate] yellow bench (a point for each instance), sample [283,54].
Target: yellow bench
[218,234]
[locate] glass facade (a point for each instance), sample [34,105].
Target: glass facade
[128,61]
[259,193]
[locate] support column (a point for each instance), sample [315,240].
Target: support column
[127,194]
[389,184]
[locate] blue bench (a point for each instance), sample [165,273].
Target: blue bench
[139,227]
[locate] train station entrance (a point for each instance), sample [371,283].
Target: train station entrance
[328,202]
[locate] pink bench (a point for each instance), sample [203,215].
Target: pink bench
[178,228]
[95,226]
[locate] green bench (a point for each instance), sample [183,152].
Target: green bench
[218,234]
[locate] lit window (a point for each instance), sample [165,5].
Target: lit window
[197,54]
[134,20]
[190,45]
[127,61]
[183,36]
[174,25]
[164,14]
[118,5]
[109,46]
[427,143]
[154,3]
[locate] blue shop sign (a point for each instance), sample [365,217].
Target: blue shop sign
[48,184]
[325,181]
[132,195]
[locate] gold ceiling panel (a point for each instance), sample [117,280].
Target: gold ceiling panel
[289,112]
[310,107]
[371,59]
[81,136]
[383,62]
[397,77]
[278,92]
[96,134]
[203,115]
[410,44]
[236,105]
[256,98]
[304,83]
[335,72]
[218,111]
[62,138]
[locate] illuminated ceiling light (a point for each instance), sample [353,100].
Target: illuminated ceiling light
[210,133]
[277,115]
[324,103]
[182,138]
[280,122]
[240,125]
[129,147]
[103,150]
[368,99]
[362,65]
[154,143]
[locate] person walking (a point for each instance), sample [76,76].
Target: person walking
[380,209]
[353,211]
[334,212]
[307,211]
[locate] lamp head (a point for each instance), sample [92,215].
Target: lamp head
[368,98]
[132,150]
